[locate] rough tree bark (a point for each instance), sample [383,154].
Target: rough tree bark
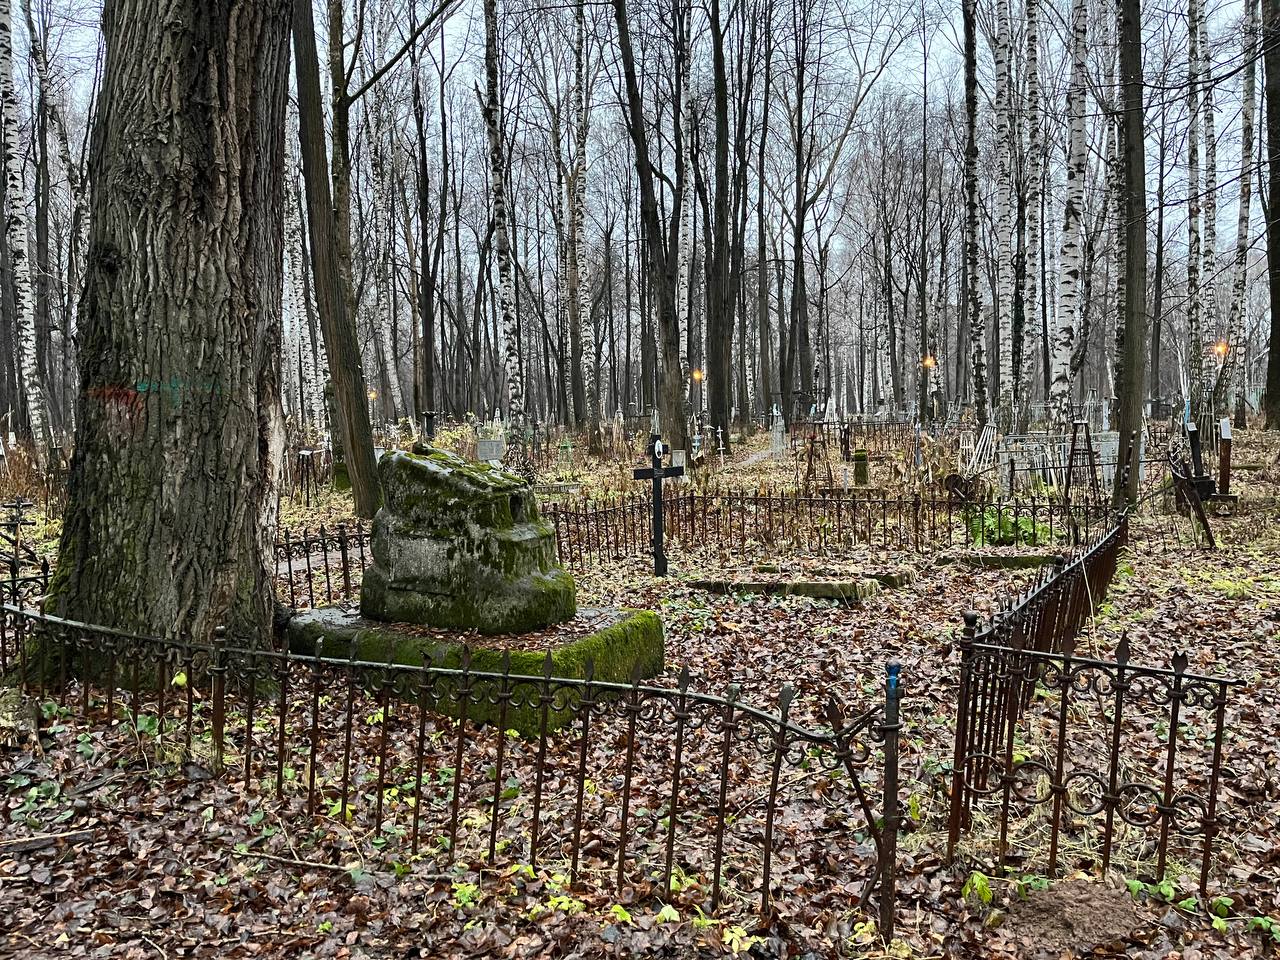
[661,267]
[1195,336]
[1069,259]
[492,109]
[336,321]
[173,489]
[977,328]
[1271,64]
[16,230]
[1236,305]
[1131,336]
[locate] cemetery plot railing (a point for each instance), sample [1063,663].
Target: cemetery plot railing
[665,787]
[1049,743]
[874,436]
[742,522]
[321,566]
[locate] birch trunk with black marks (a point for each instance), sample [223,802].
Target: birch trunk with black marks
[1195,334]
[1070,257]
[1035,162]
[16,231]
[1240,268]
[1209,266]
[172,496]
[1004,216]
[492,109]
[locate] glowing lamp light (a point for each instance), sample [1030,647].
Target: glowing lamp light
[928,363]
[1220,348]
[697,375]
[373,394]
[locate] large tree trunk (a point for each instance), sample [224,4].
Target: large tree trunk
[172,498]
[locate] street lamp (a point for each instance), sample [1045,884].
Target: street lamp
[697,382]
[1220,348]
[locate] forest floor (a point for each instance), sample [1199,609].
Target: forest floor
[112,846]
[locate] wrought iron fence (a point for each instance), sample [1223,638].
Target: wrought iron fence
[322,566]
[874,436]
[671,788]
[746,522]
[1048,741]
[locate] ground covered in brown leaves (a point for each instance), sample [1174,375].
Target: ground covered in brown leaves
[116,844]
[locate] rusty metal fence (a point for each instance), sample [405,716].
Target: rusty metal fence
[1053,750]
[657,787]
[747,522]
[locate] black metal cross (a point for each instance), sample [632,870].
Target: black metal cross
[17,519]
[657,473]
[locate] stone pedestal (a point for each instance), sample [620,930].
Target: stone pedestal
[460,544]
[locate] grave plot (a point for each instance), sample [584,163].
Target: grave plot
[340,800]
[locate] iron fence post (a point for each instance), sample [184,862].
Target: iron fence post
[889,845]
[962,731]
[219,674]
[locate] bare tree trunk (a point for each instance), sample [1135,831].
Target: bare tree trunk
[172,501]
[1236,305]
[16,230]
[1271,63]
[1195,335]
[661,268]
[1131,335]
[977,328]
[1069,259]
[491,107]
[337,323]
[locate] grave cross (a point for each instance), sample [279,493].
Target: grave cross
[17,519]
[657,473]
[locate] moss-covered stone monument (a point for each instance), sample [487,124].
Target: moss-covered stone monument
[459,548]
[460,544]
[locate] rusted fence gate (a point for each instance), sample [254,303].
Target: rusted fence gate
[1052,747]
[618,785]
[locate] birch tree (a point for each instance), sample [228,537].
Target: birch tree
[1195,336]
[1070,257]
[16,232]
[1004,214]
[491,109]
[1240,267]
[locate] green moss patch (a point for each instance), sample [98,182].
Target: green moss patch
[848,592]
[619,644]
[999,561]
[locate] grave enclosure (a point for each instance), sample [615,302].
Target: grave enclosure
[265,709]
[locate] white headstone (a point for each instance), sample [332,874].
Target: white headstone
[677,458]
[777,439]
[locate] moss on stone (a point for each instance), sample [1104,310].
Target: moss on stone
[633,641]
